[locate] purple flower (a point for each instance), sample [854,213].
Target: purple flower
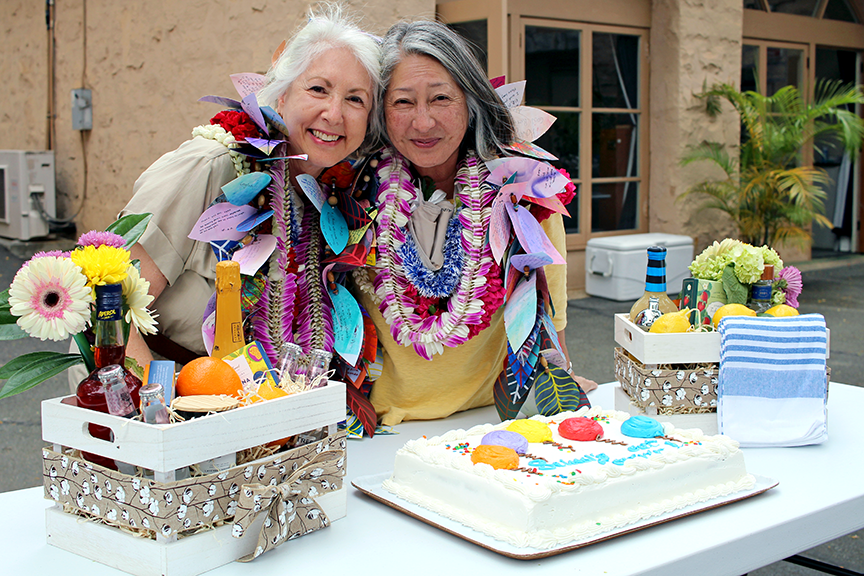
[96,239]
[792,276]
[51,253]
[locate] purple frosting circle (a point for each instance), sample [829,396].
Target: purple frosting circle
[508,439]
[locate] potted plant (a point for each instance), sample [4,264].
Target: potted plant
[769,194]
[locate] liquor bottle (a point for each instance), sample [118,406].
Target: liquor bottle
[646,317]
[229,318]
[110,349]
[760,291]
[318,366]
[655,285]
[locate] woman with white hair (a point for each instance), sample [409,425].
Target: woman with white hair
[437,294]
[324,87]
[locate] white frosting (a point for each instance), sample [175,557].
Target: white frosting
[596,488]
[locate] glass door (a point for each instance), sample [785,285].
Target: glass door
[592,79]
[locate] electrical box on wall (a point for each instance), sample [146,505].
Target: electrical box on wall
[26,182]
[82,109]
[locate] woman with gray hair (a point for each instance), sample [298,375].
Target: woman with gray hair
[437,292]
[324,87]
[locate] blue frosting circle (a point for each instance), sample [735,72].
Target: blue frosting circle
[641,427]
[508,439]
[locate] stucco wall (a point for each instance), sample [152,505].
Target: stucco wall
[693,43]
[147,64]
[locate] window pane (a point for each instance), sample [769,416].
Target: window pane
[785,68]
[571,223]
[551,66]
[749,68]
[839,10]
[753,4]
[477,35]
[800,7]
[615,146]
[562,140]
[616,71]
[614,206]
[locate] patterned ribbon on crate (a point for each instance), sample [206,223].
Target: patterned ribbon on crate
[290,507]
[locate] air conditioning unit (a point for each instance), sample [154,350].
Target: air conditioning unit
[26,181]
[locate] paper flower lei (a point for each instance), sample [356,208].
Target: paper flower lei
[465,308]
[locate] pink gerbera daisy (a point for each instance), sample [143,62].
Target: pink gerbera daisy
[96,238]
[51,298]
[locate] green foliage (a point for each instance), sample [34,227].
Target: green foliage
[736,292]
[130,227]
[766,191]
[32,369]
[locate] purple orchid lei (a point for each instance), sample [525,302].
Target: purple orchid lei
[275,322]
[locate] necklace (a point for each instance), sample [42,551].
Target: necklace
[465,308]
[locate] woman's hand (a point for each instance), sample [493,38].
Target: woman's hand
[584,383]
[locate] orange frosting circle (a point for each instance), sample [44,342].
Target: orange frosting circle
[499,457]
[532,430]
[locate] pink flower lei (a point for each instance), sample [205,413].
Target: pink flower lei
[467,312]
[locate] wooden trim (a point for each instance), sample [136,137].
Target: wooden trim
[792,28]
[495,14]
[820,9]
[635,13]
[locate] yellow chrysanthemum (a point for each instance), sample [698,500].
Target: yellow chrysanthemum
[102,265]
[135,294]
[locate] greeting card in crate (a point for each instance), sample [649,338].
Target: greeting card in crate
[183,527]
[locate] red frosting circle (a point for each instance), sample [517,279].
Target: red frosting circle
[580,429]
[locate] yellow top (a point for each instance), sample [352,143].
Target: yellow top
[411,388]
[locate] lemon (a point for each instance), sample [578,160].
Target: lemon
[731,310]
[781,311]
[672,322]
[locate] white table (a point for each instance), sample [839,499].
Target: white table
[820,498]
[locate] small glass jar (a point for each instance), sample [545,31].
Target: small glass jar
[318,367]
[289,356]
[117,396]
[153,404]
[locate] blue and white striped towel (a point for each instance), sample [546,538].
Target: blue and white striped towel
[772,386]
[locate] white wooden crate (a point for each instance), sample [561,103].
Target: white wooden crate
[166,448]
[678,348]
[681,348]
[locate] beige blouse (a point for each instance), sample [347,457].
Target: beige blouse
[176,189]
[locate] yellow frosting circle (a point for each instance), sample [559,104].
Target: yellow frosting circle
[532,430]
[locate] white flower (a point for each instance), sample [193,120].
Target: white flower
[135,293]
[51,296]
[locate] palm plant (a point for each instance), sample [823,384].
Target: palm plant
[767,191]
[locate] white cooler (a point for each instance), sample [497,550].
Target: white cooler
[615,266]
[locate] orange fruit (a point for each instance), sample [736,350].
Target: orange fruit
[208,375]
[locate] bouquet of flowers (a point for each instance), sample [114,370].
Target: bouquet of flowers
[52,298]
[738,265]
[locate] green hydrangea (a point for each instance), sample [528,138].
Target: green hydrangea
[749,261]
